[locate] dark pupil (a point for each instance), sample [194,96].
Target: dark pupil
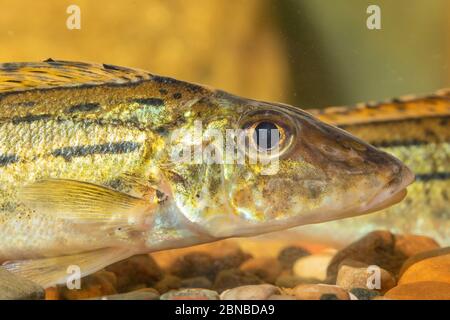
[267,135]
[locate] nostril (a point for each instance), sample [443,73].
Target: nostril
[402,176]
[396,168]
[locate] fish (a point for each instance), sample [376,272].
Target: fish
[416,130]
[100,162]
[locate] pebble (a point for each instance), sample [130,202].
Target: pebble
[52,293]
[190,294]
[364,294]
[281,297]
[136,271]
[424,290]
[290,281]
[422,256]
[169,282]
[435,268]
[313,266]
[101,283]
[267,269]
[13,287]
[380,298]
[230,260]
[197,282]
[289,255]
[143,294]
[194,264]
[357,275]
[381,248]
[318,292]
[251,292]
[232,278]
[411,245]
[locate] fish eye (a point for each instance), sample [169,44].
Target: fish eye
[271,133]
[267,135]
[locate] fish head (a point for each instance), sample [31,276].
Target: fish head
[274,167]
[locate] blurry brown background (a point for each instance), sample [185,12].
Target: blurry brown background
[310,53]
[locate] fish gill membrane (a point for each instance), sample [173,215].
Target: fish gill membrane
[91,171]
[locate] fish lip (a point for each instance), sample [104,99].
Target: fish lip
[392,193]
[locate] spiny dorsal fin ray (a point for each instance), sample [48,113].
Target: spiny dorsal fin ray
[23,76]
[407,107]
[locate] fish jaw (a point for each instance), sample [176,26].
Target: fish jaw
[395,192]
[390,194]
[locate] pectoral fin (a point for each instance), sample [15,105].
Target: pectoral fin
[84,202]
[51,271]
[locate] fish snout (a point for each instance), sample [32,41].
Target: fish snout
[397,175]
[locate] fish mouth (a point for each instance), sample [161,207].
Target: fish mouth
[392,194]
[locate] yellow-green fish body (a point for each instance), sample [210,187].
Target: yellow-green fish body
[96,165]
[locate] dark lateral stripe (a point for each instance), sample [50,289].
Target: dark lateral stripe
[150,101]
[6,159]
[443,121]
[30,118]
[399,143]
[433,176]
[108,148]
[84,107]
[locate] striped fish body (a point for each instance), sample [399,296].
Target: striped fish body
[96,132]
[89,176]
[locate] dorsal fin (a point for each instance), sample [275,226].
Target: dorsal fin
[23,76]
[407,107]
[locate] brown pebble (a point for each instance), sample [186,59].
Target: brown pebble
[194,264]
[359,276]
[281,297]
[250,292]
[318,292]
[424,290]
[289,255]
[169,282]
[137,270]
[411,245]
[435,268]
[232,278]
[190,294]
[313,266]
[381,248]
[422,256]
[290,281]
[52,293]
[143,294]
[267,269]
[101,283]
[364,293]
[230,260]
[197,282]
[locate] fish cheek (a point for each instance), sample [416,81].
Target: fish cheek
[293,196]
